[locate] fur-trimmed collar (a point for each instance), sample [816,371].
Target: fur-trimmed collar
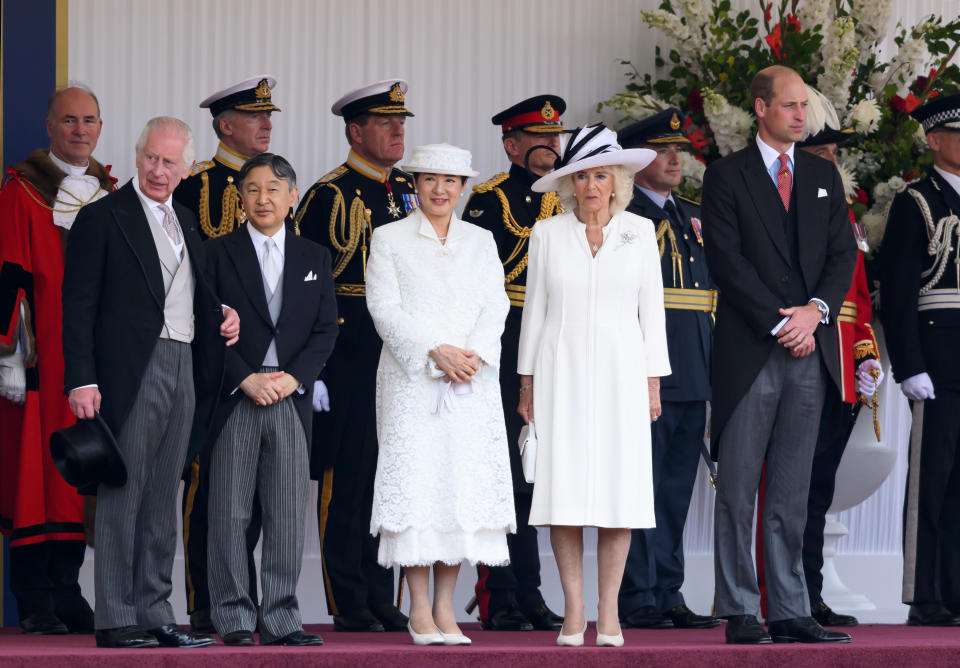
[39,171]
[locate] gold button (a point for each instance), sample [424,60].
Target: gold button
[528,198]
[696,284]
[691,259]
[686,236]
[339,321]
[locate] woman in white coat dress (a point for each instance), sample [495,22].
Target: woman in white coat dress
[592,350]
[443,491]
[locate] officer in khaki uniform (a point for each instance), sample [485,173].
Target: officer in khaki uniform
[509,597]
[241,119]
[340,212]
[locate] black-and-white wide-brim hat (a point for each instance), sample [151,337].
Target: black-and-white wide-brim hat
[589,147]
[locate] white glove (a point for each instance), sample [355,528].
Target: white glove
[918,387]
[866,385]
[321,397]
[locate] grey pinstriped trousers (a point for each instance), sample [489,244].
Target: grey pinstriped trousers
[262,448]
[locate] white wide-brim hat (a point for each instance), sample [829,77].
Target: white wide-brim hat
[588,147]
[440,159]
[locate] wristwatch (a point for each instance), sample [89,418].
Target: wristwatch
[821,306]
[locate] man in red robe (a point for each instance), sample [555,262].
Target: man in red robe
[39,511]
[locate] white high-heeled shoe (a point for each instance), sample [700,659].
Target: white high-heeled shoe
[573,640]
[454,638]
[435,638]
[604,640]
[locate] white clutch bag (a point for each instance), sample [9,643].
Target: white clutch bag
[528,451]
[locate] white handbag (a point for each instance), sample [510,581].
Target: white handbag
[528,451]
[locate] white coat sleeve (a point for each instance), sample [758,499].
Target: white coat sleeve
[405,337]
[485,337]
[651,311]
[534,304]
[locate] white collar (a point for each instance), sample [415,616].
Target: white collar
[425,227]
[258,237]
[229,157]
[152,203]
[769,154]
[67,168]
[950,178]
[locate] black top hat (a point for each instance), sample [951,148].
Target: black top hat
[664,127]
[540,114]
[940,112]
[87,455]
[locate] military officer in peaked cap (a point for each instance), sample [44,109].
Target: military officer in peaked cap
[509,596]
[920,295]
[340,211]
[241,120]
[650,592]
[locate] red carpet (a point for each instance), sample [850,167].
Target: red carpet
[872,647]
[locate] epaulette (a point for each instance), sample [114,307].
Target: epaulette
[401,176]
[687,199]
[201,167]
[491,183]
[332,175]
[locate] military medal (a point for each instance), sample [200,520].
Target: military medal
[410,201]
[392,207]
[697,229]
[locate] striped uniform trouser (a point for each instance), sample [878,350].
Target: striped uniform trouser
[136,525]
[262,449]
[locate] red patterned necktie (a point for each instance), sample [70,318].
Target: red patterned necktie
[784,181]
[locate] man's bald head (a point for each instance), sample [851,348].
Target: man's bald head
[73,124]
[765,82]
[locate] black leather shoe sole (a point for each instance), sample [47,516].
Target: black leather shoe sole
[238,639]
[46,624]
[828,640]
[765,640]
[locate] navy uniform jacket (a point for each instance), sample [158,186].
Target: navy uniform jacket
[340,212]
[212,193]
[689,332]
[921,336]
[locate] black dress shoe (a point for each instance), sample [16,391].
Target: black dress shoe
[238,638]
[200,621]
[391,617]
[685,618]
[931,614]
[358,622]
[544,619]
[746,630]
[43,623]
[296,639]
[645,617]
[171,635]
[125,637]
[825,616]
[507,619]
[805,629]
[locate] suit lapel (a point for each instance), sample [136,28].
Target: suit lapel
[191,238]
[244,257]
[765,199]
[135,228]
[295,268]
[806,187]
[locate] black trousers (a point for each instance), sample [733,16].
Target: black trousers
[654,570]
[931,532]
[44,579]
[836,423]
[196,496]
[517,584]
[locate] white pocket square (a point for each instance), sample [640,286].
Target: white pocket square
[821,192]
[310,276]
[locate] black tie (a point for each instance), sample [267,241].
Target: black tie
[671,210]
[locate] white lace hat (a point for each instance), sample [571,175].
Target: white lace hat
[588,147]
[440,159]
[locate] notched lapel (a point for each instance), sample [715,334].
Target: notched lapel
[244,258]
[135,228]
[766,200]
[295,268]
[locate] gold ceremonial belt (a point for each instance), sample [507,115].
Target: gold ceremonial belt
[350,289]
[939,298]
[516,294]
[848,312]
[685,299]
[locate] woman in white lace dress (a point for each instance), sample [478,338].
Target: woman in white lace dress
[443,491]
[592,348]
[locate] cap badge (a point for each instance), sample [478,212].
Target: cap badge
[263,90]
[675,122]
[396,94]
[548,112]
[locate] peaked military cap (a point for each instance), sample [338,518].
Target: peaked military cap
[253,94]
[383,98]
[827,136]
[941,112]
[663,127]
[540,113]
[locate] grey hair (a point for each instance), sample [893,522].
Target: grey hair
[622,189]
[226,113]
[52,100]
[173,125]
[278,165]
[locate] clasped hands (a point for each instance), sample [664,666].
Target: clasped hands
[458,365]
[268,388]
[796,335]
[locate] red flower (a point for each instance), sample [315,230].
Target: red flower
[921,82]
[697,140]
[695,101]
[861,197]
[911,175]
[905,104]
[775,38]
[766,12]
